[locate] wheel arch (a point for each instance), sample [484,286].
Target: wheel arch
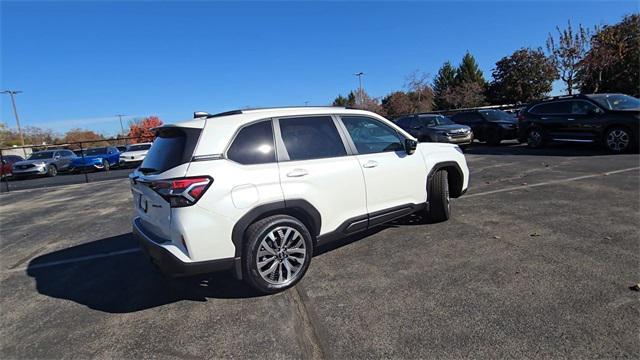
[297,208]
[455,177]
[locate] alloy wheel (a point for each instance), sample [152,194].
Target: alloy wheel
[535,138]
[617,140]
[281,255]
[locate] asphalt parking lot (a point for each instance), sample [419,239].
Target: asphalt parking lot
[536,262]
[61,179]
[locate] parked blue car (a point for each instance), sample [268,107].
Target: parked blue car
[98,158]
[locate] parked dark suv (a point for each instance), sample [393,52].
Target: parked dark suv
[435,128]
[608,119]
[490,125]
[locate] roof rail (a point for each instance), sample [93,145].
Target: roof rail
[202,114]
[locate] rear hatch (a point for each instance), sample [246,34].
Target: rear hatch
[167,159]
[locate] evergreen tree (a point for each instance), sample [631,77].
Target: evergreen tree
[444,79]
[468,71]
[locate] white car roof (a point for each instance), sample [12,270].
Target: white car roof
[218,129]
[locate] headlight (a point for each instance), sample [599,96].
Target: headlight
[442,133]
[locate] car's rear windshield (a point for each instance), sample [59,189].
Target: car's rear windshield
[96,151]
[497,115]
[616,101]
[172,147]
[41,155]
[138,147]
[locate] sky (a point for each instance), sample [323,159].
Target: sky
[80,63]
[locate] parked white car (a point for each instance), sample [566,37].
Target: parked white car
[134,155]
[256,190]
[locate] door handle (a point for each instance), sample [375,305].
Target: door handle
[297,173]
[370,164]
[570,119]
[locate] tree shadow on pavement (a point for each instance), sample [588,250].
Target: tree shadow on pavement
[124,281]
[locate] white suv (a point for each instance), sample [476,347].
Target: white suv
[256,190]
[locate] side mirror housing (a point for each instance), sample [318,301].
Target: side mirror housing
[410,146]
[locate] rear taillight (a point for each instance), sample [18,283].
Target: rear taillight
[181,192]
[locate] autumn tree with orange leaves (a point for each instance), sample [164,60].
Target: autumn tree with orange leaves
[141,130]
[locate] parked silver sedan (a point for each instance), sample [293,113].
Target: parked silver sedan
[48,163]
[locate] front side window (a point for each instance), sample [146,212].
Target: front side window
[253,145]
[583,108]
[311,138]
[372,136]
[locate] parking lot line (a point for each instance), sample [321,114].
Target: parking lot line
[513,188]
[73,260]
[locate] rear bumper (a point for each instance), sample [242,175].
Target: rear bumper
[168,263]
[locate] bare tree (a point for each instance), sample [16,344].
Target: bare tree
[420,93]
[567,52]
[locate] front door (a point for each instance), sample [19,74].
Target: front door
[393,178]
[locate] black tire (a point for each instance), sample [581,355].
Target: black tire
[105,164]
[255,235]
[618,140]
[535,138]
[438,194]
[52,170]
[494,139]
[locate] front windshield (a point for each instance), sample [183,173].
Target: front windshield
[96,151]
[138,147]
[617,101]
[41,155]
[496,115]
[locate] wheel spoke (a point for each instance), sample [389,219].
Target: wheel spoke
[270,270]
[268,248]
[262,263]
[296,251]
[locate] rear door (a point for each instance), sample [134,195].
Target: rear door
[168,159]
[315,165]
[555,118]
[393,178]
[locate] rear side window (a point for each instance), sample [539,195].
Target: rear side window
[559,107]
[311,138]
[172,147]
[252,145]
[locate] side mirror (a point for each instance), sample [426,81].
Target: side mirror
[410,146]
[4,162]
[57,157]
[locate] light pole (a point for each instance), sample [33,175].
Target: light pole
[121,127]
[12,93]
[360,95]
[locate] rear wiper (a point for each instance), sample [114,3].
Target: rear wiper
[146,170]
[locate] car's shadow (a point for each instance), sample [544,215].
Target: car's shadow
[552,149]
[113,275]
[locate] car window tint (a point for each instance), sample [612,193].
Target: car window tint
[372,136]
[311,138]
[403,122]
[252,145]
[558,107]
[582,108]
